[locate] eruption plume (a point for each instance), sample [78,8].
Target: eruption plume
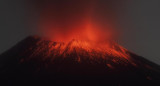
[66,20]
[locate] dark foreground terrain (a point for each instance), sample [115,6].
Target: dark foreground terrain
[34,62]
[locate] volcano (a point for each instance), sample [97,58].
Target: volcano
[37,61]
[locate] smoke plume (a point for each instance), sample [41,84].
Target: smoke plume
[64,20]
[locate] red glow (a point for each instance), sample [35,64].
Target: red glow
[87,49]
[80,33]
[63,22]
[77,31]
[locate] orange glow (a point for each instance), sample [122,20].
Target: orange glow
[88,49]
[86,31]
[63,22]
[76,31]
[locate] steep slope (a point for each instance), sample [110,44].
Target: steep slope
[36,61]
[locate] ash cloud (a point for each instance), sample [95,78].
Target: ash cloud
[67,19]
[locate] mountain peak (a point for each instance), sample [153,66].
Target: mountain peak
[82,49]
[41,61]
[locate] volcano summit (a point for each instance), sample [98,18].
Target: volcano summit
[36,61]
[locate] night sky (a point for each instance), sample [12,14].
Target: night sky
[138,21]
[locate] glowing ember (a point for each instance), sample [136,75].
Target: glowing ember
[79,49]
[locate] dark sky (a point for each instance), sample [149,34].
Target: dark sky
[139,20]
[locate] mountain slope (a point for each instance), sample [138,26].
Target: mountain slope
[36,61]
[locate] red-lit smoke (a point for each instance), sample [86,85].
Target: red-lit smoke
[74,28]
[64,20]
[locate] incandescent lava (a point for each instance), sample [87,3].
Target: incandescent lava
[37,61]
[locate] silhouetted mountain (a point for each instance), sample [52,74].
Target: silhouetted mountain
[36,61]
